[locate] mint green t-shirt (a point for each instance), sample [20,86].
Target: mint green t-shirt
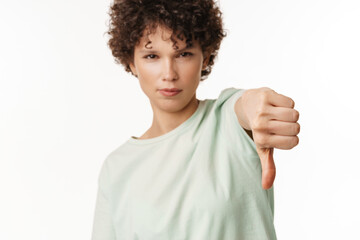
[200,181]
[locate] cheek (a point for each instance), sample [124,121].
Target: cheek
[192,70]
[149,71]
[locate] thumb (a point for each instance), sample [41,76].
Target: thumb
[267,165]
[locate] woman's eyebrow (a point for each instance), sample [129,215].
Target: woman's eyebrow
[148,51]
[185,48]
[155,51]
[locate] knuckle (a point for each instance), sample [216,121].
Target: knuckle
[296,115]
[258,124]
[264,89]
[297,128]
[267,90]
[262,96]
[262,111]
[292,103]
[262,140]
[295,141]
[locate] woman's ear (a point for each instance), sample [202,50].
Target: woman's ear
[133,69]
[206,61]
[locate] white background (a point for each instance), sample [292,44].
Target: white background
[65,105]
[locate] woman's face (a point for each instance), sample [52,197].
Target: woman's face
[159,65]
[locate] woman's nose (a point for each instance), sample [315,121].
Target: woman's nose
[169,71]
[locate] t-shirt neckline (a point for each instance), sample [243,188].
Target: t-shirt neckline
[176,130]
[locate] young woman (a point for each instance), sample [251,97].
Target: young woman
[196,172]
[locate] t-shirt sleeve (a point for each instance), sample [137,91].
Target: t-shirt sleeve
[231,126]
[102,223]
[244,144]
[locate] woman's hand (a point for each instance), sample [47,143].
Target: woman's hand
[273,121]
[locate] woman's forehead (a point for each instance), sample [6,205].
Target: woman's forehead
[152,36]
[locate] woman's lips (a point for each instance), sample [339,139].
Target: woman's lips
[170,93]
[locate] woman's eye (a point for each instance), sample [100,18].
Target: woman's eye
[186,54]
[150,56]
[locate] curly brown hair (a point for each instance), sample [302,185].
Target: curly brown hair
[198,20]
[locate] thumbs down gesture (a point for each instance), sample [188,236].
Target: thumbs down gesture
[273,121]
